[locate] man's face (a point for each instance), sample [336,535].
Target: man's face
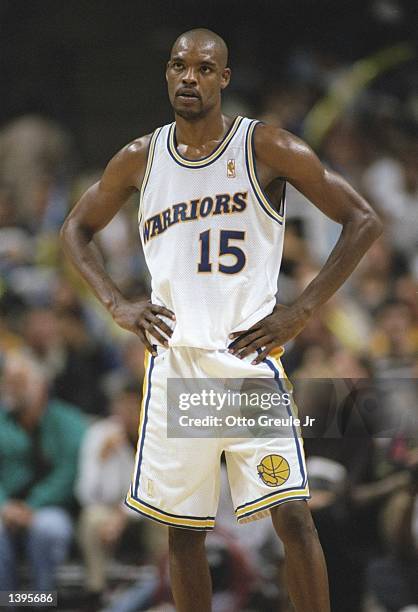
[195,76]
[22,389]
[41,330]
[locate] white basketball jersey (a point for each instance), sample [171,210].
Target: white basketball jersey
[212,240]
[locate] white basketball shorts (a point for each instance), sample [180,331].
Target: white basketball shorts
[176,481]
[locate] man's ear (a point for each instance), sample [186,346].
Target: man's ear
[166,69]
[226,77]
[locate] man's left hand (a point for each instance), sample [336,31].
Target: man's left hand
[282,325]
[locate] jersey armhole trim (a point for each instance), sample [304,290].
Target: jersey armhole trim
[261,196]
[150,159]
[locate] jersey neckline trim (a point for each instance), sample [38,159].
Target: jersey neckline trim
[204,161]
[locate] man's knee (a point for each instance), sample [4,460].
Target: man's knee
[293,521]
[185,540]
[92,518]
[51,524]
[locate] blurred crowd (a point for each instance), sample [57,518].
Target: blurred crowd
[71,380]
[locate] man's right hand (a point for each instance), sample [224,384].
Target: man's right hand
[140,316]
[16,514]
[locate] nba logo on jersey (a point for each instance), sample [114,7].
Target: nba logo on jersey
[230,168]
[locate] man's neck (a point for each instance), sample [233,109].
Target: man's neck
[196,133]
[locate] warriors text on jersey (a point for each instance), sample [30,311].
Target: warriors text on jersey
[212,240]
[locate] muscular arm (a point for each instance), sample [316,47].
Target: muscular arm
[293,159]
[282,154]
[93,212]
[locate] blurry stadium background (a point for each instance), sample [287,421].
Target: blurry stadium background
[78,81]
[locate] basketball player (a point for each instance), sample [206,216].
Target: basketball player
[211,220]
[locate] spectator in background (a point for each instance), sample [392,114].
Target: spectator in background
[42,340]
[405,290]
[308,353]
[11,308]
[393,577]
[35,148]
[393,184]
[131,366]
[106,464]
[328,481]
[286,106]
[66,297]
[394,343]
[117,244]
[347,516]
[39,445]
[374,279]
[346,150]
[85,363]
[8,340]
[15,241]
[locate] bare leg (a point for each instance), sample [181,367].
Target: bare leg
[306,572]
[189,570]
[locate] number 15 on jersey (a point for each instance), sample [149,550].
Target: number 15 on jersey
[226,237]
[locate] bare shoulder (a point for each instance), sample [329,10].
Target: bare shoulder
[137,149]
[128,165]
[280,150]
[269,138]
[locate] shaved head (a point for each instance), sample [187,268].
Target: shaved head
[197,73]
[205,39]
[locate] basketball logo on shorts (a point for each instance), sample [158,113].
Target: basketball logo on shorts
[273,470]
